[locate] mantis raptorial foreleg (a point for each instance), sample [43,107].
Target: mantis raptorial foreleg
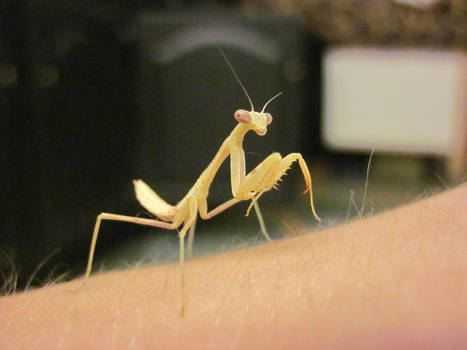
[267,174]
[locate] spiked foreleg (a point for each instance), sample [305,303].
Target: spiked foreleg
[286,162]
[241,184]
[260,179]
[268,173]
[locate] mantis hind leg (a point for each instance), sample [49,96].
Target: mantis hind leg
[124,218]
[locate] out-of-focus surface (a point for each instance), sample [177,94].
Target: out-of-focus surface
[94,96]
[393,23]
[394,100]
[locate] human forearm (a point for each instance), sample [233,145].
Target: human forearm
[394,280]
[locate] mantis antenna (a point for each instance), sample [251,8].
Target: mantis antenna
[226,59]
[235,74]
[270,100]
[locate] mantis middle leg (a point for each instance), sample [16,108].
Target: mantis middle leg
[205,215]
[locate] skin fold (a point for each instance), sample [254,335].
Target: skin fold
[397,280]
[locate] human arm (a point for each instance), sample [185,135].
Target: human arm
[395,280]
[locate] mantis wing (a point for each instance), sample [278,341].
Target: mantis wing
[152,202]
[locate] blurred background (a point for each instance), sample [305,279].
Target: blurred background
[95,94]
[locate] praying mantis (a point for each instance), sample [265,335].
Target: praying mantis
[249,186]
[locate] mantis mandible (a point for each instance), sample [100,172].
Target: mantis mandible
[249,186]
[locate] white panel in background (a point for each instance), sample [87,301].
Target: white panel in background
[391,99]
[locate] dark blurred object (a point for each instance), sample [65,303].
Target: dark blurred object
[65,137]
[435,23]
[87,105]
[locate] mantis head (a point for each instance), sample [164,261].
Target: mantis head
[256,121]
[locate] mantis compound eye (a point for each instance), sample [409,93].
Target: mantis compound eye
[268,118]
[242,116]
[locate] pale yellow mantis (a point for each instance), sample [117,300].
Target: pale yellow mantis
[249,186]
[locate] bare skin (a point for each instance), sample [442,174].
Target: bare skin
[393,281]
